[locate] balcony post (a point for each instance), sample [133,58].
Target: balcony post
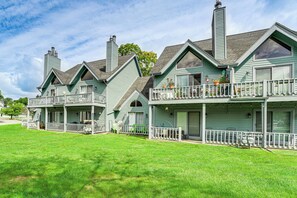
[179,134]
[264,88]
[93,97]
[28,117]
[150,121]
[151,94]
[46,118]
[203,90]
[264,122]
[65,118]
[92,117]
[203,124]
[232,81]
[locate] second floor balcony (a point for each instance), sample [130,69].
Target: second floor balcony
[244,90]
[74,99]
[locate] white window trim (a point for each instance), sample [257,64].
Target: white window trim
[292,64]
[143,113]
[292,52]
[292,119]
[86,87]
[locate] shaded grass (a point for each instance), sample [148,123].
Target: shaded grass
[48,164]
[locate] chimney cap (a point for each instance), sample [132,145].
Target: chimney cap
[218,4]
[113,38]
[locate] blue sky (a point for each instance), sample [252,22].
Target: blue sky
[79,30]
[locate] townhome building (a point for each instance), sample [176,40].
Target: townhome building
[91,96]
[228,89]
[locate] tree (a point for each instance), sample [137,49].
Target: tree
[24,101]
[146,59]
[7,101]
[13,109]
[1,96]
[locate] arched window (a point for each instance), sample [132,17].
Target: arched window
[273,48]
[136,103]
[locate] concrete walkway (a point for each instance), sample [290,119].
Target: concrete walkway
[5,121]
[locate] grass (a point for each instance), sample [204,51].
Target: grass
[48,164]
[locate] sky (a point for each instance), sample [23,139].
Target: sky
[79,30]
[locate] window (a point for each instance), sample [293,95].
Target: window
[55,81]
[136,103]
[53,92]
[84,115]
[189,60]
[87,75]
[188,80]
[273,48]
[274,73]
[136,118]
[277,121]
[86,89]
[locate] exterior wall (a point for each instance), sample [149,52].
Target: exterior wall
[117,87]
[123,113]
[245,71]
[207,69]
[222,116]
[219,33]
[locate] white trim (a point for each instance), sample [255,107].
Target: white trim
[187,74]
[274,28]
[274,65]
[195,48]
[187,129]
[135,92]
[124,65]
[77,72]
[46,79]
[275,109]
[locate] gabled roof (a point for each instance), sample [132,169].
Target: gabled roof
[237,45]
[276,27]
[141,85]
[55,72]
[96,67]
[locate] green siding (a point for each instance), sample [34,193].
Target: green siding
[207,69]
[123,113]
[118,86]
[245,71]
[219,33]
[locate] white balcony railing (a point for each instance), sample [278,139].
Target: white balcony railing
[135,129]
[67,99]
[287,87]
[166,133]
[55,126]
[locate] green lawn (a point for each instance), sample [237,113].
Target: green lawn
[38,163]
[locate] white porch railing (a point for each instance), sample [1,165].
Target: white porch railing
[67,99]
[166,133]
[233,137]
[271,88]
[55,126]
[281,87]
[78,128]
[134,129]
[33,125]
[281,140]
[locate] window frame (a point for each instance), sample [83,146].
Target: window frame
[135,102]
[292,51]
[292,118]
[178,60]
[292,64]
[188,74]
[86,89]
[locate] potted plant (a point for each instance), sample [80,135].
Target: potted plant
[171,84]
[216,82]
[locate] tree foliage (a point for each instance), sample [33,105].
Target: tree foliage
[1,96]
[146,59]
[7,101]
[24,101]
[13,109]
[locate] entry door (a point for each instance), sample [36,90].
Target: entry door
[194,123]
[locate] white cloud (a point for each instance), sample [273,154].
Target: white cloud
[79,30]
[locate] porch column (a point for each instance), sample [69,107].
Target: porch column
[28,117]
[203,124]
[46,118]
[150,121]
[264,122]
[92,118]
[65,118]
